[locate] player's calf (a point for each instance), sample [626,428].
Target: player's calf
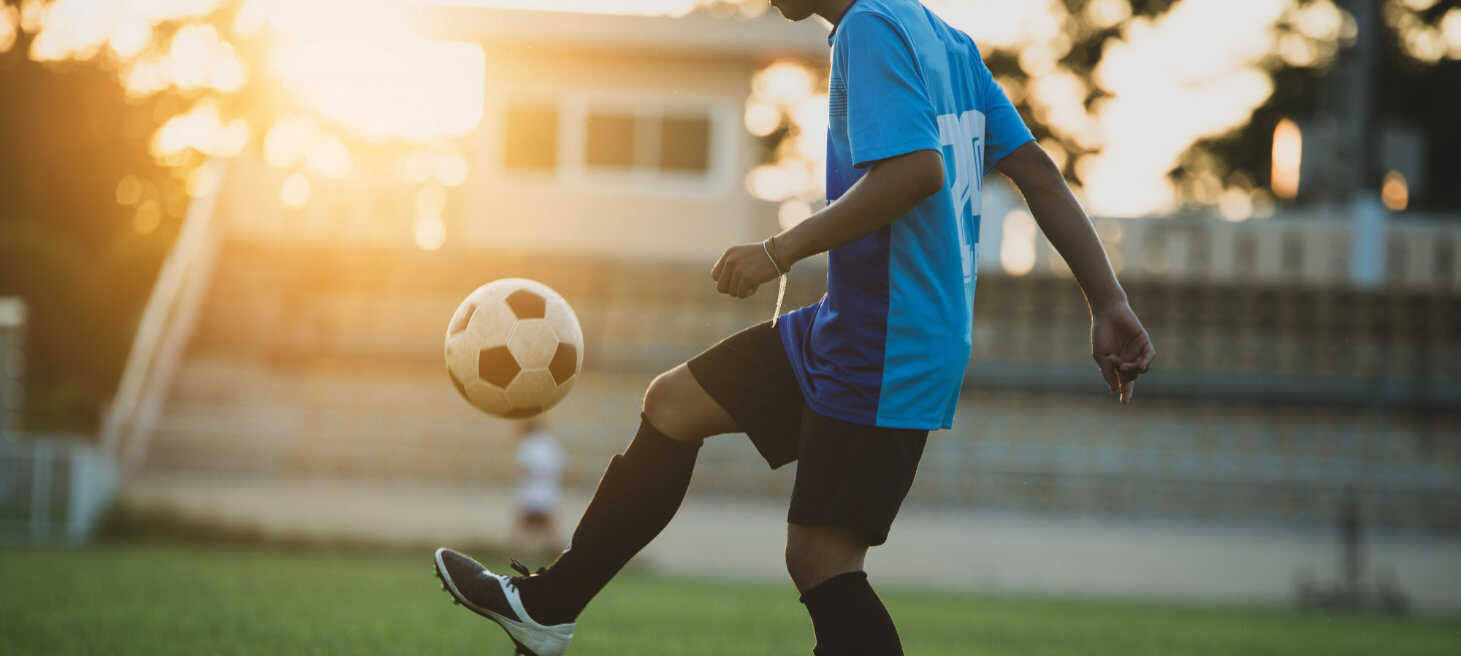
[639,493]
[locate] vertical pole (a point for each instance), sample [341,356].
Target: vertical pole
[1369,229]
[40,492]
[1352,543]
[12,363]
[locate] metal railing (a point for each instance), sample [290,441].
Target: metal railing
[167,322]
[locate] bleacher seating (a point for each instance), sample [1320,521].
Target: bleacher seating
[1269,402]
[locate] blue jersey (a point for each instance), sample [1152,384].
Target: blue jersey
[889,343]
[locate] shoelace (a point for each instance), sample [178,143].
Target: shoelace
[524,571]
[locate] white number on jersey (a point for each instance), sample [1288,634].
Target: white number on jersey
[965,133]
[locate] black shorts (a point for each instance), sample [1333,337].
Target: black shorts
[848,475]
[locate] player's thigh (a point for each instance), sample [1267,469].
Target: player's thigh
[679,407]
[853,476]
[749,376]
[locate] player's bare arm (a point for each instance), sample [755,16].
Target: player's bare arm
[1120,345]
[890,188]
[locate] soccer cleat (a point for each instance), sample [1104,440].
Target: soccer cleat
[496,598]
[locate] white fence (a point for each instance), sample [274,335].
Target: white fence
[52,491]
[1308,249]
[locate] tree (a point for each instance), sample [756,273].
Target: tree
[1118,90]
[111,108]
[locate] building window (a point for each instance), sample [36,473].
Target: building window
[684,144]
[530,137]
[673,144]
[611,141]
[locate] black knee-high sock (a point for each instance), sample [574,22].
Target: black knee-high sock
[640,491]
[849,619]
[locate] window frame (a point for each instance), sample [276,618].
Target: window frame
[648,108]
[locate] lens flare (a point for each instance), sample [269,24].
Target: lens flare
[1288,159]
[1395,192]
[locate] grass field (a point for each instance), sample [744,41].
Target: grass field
[174,600]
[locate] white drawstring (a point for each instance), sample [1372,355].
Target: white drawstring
[781,286]
[780,296]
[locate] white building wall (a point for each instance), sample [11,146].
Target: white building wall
[643,213]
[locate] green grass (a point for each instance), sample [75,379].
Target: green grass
[175,600]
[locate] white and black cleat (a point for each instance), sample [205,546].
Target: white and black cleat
[496,598]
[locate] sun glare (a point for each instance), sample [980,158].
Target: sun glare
[429,232]
[9,27]
[329,55]
[1017,245]
[657,7]
[295,191]
[793,212]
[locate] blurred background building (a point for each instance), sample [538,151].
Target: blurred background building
[1297,265]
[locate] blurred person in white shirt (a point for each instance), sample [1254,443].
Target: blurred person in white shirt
[540,473]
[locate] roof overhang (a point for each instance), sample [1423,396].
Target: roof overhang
[699,33]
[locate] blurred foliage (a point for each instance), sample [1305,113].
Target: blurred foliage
[1082,73]
[96,190]
[66,245]
[1420,94]
[1414,92]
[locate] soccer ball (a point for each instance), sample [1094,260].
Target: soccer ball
[514,348]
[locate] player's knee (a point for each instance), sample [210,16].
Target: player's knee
[669,406]
[659,398]
[814,555]
[657,394]
[800,564]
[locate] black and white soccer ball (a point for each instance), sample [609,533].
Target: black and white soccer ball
[514,348]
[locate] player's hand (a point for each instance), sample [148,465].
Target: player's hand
[742,269]
[1121,347]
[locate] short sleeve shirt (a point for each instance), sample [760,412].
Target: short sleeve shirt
[541,462]
[889,343]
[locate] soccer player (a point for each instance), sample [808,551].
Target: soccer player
[851,385]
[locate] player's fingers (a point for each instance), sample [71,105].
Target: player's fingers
[733,283]
[724,280]
[716,270]
[1108,371]
[1132,370]
[1147,358]
[1128,388]
[1134,347]
[1140,362]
